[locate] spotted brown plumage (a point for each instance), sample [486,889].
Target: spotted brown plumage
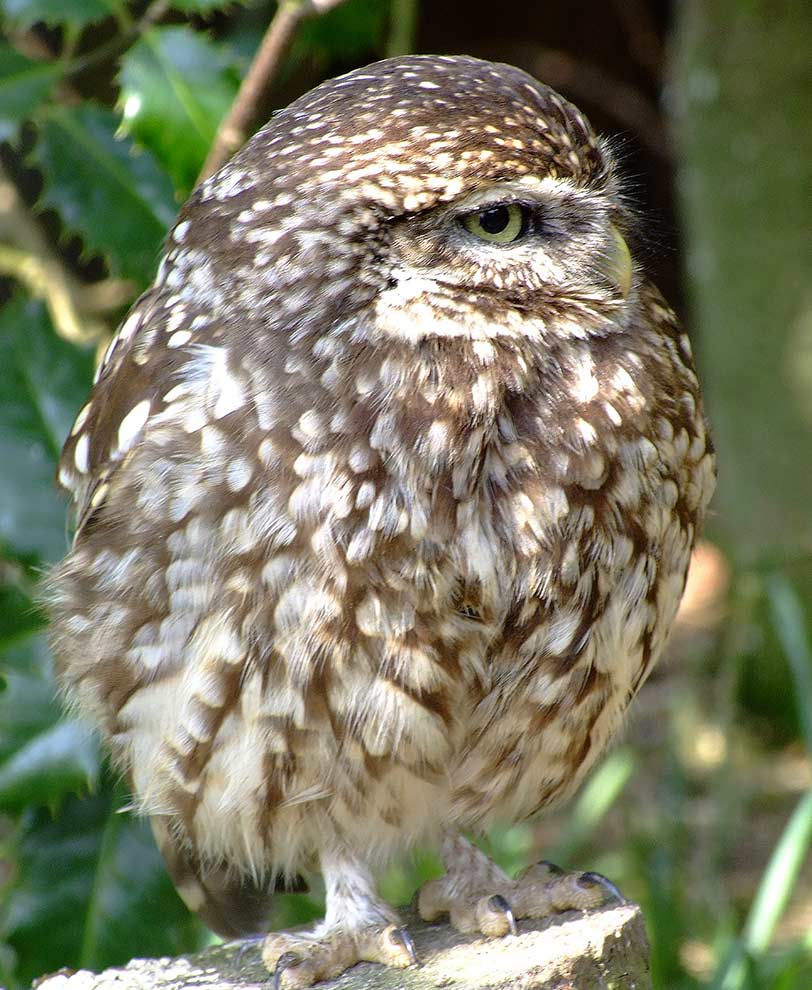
[382,521]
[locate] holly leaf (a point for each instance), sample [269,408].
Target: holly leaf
[90,890]
[114,195]
[176,85]
[43,384]
[75,14]
[63,758]
[24,83]
[349,32]
[28,704]
[205,6]
[19,616]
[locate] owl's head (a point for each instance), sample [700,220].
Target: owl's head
[445,195]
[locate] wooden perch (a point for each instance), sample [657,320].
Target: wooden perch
[597,951]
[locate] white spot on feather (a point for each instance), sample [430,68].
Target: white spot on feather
[586,385]
[179,338]
[132,424]
[81,455]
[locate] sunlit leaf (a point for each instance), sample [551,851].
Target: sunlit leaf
[62,759]
[790,624]
[24,82]
[43,384]
[42,759]
[777,884]
[175,87]
[596,798]
[112,194]
[780,877]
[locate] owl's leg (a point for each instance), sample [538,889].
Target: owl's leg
[357,926]
[479,897]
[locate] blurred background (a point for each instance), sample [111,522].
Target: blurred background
[703,814]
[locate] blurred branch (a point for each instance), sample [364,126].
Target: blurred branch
[402,27]
[236,126]
[26,256]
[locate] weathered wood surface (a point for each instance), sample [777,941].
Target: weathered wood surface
[603,950]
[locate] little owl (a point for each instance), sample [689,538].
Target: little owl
[385,496]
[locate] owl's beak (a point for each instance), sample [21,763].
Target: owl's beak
[618,263]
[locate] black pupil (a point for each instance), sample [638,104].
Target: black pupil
[495,220]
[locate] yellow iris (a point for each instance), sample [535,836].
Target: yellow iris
[498,224]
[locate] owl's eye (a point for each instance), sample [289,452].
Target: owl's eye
[501,224]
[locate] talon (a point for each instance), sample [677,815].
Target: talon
[288,960]
[600,880]
[552,868]
[401,938]
[244,945]
[500,904]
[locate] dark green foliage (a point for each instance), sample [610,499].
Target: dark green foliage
[23,84]
[43,383]
[176,81]
[85,885]
[71,13]
[113,195]
[118,120]
[88,882]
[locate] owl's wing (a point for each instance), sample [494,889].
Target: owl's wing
[134,381]
[134,378]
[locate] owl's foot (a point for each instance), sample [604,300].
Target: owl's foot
[300,960]
[480,897]
[358,927]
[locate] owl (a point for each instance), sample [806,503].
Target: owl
[385,495]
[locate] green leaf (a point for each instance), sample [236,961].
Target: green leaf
[350,32]
[28,702]
[115,196]
[777,884]
[44,382]
[204,6]
[789,621]
[176,85]
[73,13]
[779,878]
[90,890]
[24,82]
[19,617]
[62,759]
[597,796]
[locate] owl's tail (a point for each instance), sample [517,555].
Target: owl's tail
[231,905]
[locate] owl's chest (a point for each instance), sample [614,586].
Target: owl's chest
[485,532]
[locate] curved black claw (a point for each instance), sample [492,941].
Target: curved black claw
[554,868]
[499,903]
[288,960]
[243,945]
[606,883]
[401,937]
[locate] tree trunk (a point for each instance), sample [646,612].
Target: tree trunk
[740,95]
